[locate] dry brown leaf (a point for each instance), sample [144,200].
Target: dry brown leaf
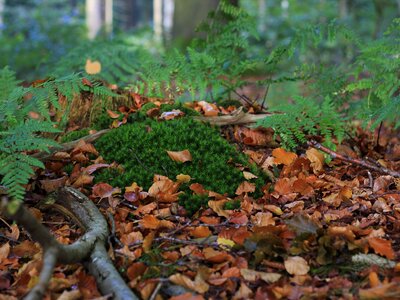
[218,208]
[82,180]
[51,185]
[317,159]
[4,251]
[245,187]
[296,265]
[252,275]
[261,219]
[384,291]
[281,156]
[244,292]
[180,156]
[198,285]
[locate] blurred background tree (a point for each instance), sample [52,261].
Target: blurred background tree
[35,34]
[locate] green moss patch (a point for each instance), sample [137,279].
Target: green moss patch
[142,150]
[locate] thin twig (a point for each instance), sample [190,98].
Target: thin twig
[351,160]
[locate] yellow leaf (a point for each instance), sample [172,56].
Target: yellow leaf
[248,175]
[225,242]
[92,67]
[182,178]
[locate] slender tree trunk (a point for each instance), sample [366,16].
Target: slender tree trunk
[2,5]
[94,20]
[343,9]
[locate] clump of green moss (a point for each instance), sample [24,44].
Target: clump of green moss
[142,150]
[192,202]
[233,204]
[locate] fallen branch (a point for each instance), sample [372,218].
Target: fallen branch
[89,245]
[355,161]
[66,147]
[237,117]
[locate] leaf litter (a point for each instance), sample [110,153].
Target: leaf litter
[319,230]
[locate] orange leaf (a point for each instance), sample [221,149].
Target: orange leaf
[208,108]
[135,270]
[148,241]
[374,279]
[149,222]
[180,156]
[187,296]
[200,232]
[113,115]
[282,157]
[92,67]
[382,246]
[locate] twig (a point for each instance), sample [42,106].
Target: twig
[351,160]
[156,290]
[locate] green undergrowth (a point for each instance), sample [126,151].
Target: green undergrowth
[141,148]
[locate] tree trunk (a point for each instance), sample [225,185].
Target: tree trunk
[94,20]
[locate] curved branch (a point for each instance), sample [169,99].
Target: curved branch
[90,246]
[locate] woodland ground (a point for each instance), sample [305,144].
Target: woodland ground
[319,230]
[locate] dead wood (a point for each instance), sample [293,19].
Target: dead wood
[89,248]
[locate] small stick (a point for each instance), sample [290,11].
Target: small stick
[351,160]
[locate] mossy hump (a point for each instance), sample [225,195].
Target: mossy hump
[141,148]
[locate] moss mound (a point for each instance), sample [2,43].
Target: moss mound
[141,149]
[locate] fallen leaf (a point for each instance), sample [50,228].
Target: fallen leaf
[281,156]
[182,178]
[135,270]
[296,265]
[112,115]
[382,246]
[252,275]
[149,222]
[248,175]
[209,109]
[244,292]
[225,242]
[218,208]
[200,232]
[4,251]
[198,285]
[180,156]
[187,296]
[317,159]
[51,185]
[245,187]
[104,190]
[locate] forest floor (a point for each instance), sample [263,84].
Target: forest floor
[319,231]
